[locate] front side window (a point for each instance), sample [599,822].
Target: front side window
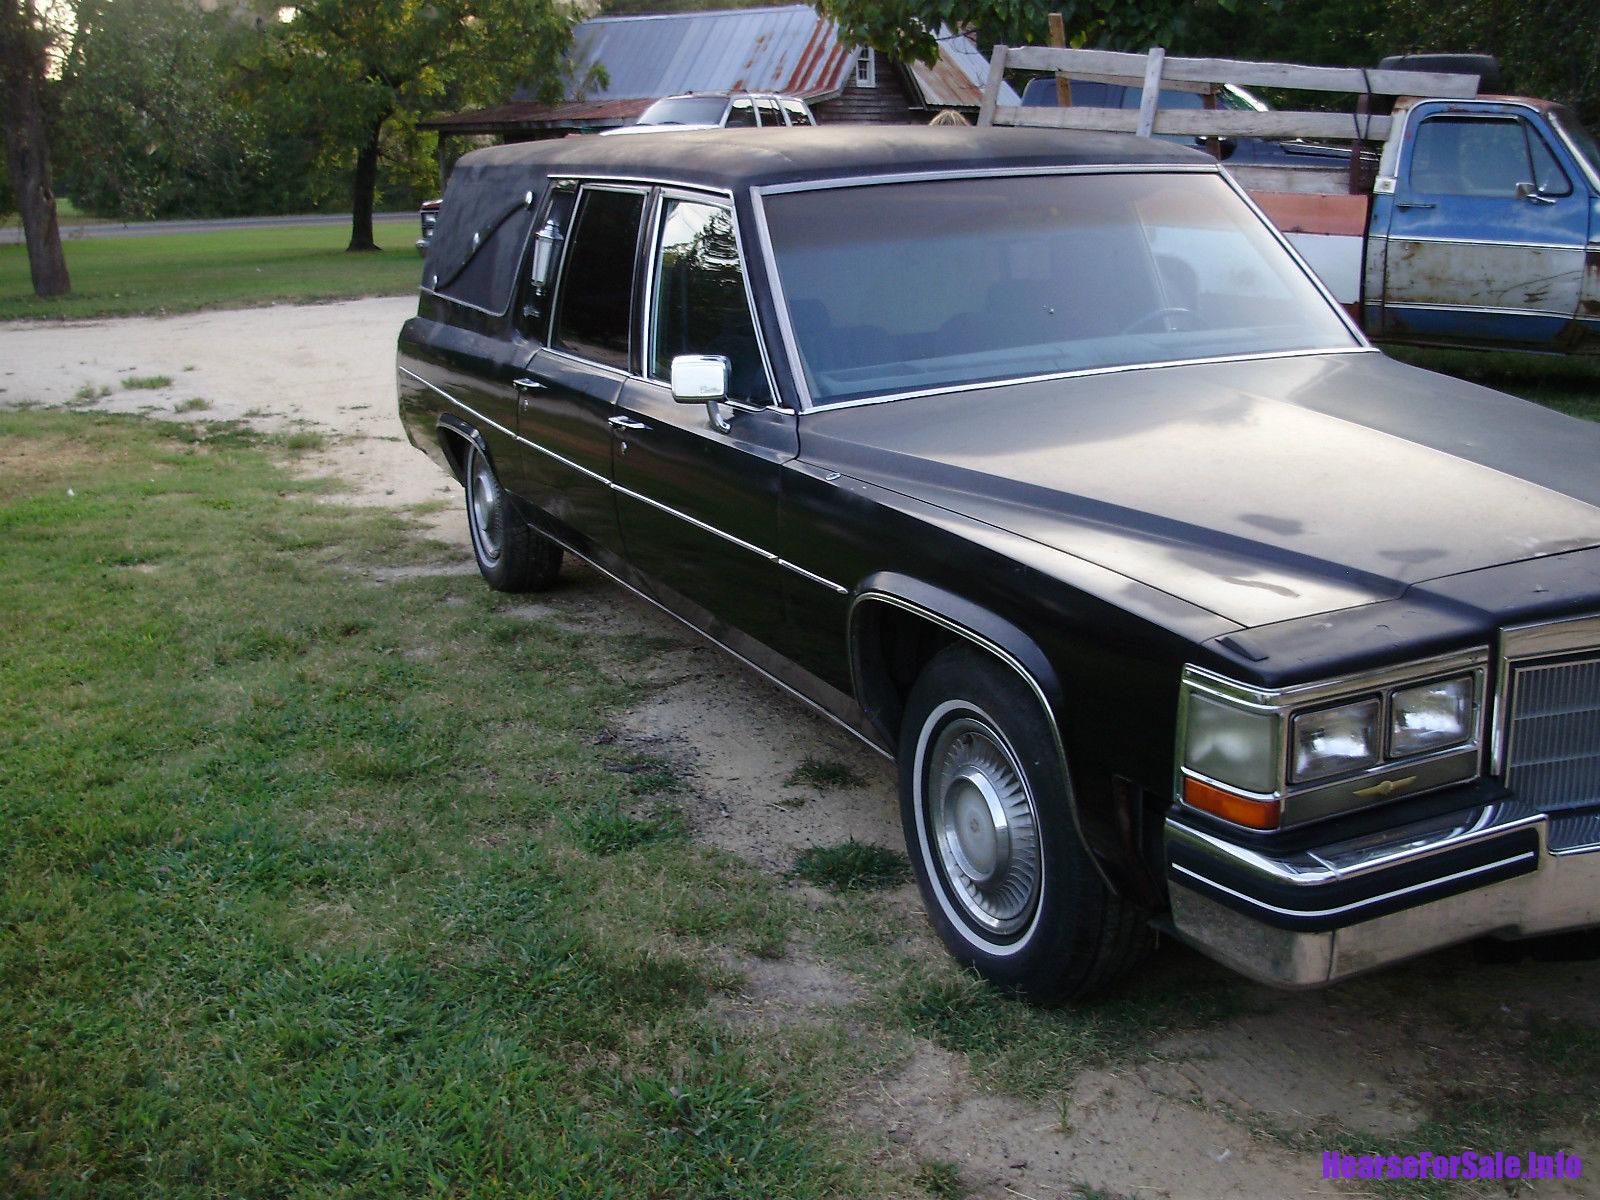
[741,113]
[700,306]
[1469,156]
[906,287]
[594,311]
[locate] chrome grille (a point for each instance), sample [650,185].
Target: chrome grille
[1553,741]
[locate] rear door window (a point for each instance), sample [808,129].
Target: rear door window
[595,310]
[771,114]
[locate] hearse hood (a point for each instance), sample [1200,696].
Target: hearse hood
[1261,491]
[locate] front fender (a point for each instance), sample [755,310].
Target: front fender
[974,623]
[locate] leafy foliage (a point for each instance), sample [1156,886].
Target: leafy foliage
[345,72]
[905,28]
[1547,48]
[151,129]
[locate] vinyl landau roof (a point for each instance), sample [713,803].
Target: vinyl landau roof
[739,158]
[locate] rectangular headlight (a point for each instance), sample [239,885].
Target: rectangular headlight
[1235,746]
[1432,716]
[1337,741]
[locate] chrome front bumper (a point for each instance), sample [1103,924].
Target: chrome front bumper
[1312,917]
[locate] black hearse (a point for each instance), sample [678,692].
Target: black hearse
[1044,465]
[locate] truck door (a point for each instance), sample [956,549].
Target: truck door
[1487,232]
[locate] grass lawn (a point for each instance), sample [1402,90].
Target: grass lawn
[314,884]
[1568,384]
[303,890]
[181,272]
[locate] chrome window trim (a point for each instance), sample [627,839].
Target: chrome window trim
[1282,239]
[1522,643]
[751,547]
[1319,798]
[578,360]
[647,331]
[559,292]
[1556,118]
[791,345]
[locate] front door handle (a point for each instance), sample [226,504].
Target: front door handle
[626,423]
[1415,204]
[526,384]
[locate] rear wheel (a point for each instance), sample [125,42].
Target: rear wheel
[512,556]
[985,807]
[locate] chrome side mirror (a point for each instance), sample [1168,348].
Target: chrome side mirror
[1530,191]
[702,379]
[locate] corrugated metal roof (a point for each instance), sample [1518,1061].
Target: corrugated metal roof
[956,80]
[790,49]
[529,116]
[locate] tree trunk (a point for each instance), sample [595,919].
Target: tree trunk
[28,147]
[362,190]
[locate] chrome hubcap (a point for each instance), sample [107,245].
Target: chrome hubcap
[487,509]
[982,821]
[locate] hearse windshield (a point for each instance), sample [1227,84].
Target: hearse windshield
[904,287]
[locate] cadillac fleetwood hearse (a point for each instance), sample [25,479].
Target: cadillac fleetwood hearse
[1042,463]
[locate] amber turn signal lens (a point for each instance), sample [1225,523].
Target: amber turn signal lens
[1241,810]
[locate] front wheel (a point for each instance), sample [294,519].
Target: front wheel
[512,556]
[984,803]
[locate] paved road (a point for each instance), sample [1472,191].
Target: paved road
[11,232]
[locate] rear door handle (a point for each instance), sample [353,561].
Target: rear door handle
[526,384]
[626,423]
[1415,204]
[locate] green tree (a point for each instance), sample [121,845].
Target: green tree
[350,71]
[8,202]
[904,29]
[149,124]
[1547,48]
[26,38]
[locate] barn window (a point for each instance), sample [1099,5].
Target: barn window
[866,68]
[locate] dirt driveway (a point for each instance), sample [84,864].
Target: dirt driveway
[1240,1107]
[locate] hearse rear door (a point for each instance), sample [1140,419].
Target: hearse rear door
[568,387]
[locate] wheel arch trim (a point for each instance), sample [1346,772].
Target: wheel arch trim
[449,423]
[992,634]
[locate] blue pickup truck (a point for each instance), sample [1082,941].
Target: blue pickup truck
[1484,228]
[1481,230]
